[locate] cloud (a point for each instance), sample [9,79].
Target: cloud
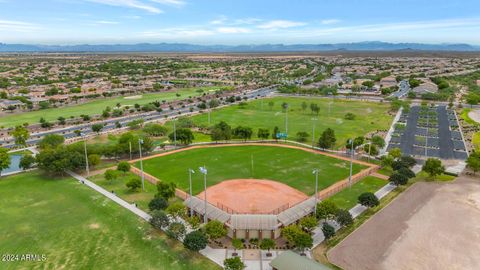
[330,21]
[106,22]
[130,4]
[275,24]
[220,20]
[17,26]
[170,2]
[233,30]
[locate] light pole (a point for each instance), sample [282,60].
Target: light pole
[174,133]
[190,171]
[313,132]
[315,172]
[203,170]
[286,120]
[351,163]
[86,155]
[209,116]
[140,142]
[130,147]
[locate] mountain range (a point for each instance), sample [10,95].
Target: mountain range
[185,47]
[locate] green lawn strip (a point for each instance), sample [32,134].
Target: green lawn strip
[467,118]
[141,198]
[476,140]
[370,116]
[97,106]
[289,166]
[78,228]
[348,198]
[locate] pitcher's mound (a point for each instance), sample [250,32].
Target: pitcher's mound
[252,196]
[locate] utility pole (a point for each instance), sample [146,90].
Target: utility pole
[203,170]
[130,146]
[315,172]
[174,133]
[351,164]
[86,156]
[140,142]
[190,171]
[286,121]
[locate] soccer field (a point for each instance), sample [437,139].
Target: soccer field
[369,116]
[97,106]
[77,228]
[289,166]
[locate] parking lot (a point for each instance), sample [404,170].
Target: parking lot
[427,131]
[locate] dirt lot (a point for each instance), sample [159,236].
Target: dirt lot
[253,196]
[430,226]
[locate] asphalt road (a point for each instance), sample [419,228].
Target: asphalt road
[110,124]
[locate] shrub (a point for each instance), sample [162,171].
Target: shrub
[328,230]
[407,172]
[350,116]
[123,166]
[134,184]
[368,199]
[398,179]
[157,203]
[159,219]
[410,161]
[195,240]
[344,217]
[326,210]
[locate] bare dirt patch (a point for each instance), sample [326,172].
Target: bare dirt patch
[429,226]
[475,115]
[94,226]
[252,196]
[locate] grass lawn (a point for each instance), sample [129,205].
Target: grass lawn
[289,166]
[77,228]
[348,197]
[467,118]
[476,140]
[96,106]
[118,186]
[370,116]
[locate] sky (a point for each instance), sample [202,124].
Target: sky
[234,22]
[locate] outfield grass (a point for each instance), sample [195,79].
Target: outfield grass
[348,197]
[370,116]
[77,228]
[289,166]
[97,106]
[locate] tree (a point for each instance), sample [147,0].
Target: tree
[93,160]
[473,162]
[304,106]
[241,132]
[308,223]
[51,140]
[270,104]
[110,175]
[349,116]
[326,210]
[221,131]
[4,159]
[327,139]
[276,130]
[237,244]
[408,160]
[123,166]
[398,179]
[21,135]
[378,141]
[195,240]
[267,244]
[302,136]
[344,218]
[26,161]
[233,263]
[57,160]
[395,153]
[368,199]
[176,230]
[290,232]
[194,221]
[302,241]
[407,172]
[386,161]
[176,210]
[328,230]
[215,229]
[159,219]
[156,130]
[97,127]
[61,120]
[263,133]
[157,203]
[166,190]
[134,184]
[284,106]
[433,167]
[314,108]
[184,135]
